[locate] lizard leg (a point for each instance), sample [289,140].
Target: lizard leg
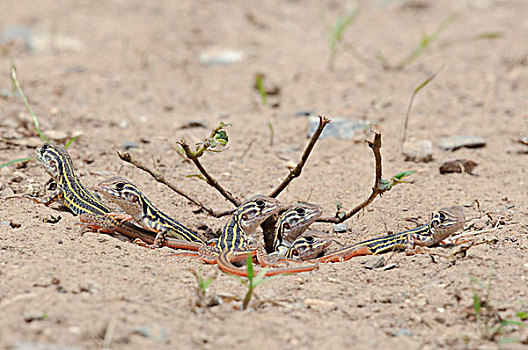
[420,240]
[55,196]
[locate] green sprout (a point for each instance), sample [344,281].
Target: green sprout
[422,46]
[488,319]
[414,93]
[252,281]
[18,88]
[387,185]
[16,85]
[272,133]
[336,34]
[259,84]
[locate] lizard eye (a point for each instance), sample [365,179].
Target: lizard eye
[43,149]
[442,216]
[244,217]
[259,203]
[309,239]
[286,226]
[53,164]
[295,252]
[120,185]
[300,211]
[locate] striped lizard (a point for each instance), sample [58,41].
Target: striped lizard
[130,198]
[232,245]
[307,246]
[443,223]
[81,201]
[292,223]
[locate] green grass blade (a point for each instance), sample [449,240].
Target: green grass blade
[16,84]
[70,141]
[249,267]
[426,41]
[16,161]
[261,90]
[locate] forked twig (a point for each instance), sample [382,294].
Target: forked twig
[376,190]
[193,156]
[296,172]
[127,157]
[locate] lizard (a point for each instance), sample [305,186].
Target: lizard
[232,244]
[442,224]
[132,200]
[85,203]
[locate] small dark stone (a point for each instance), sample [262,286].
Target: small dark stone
[128,145]
[304,113]
[458,166]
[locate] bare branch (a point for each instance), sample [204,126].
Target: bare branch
[296,172]
[375,146]
[210,180]
[127,157]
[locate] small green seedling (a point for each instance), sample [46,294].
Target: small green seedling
[252,281]
[260,88]
[424,43]
[203,283]
[336,34]
[386,185]
[272,133]
[201,289]
[16,86]
[414,93]
[488,319]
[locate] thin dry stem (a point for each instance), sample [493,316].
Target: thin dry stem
[375,146]
[127,157]
[296,172]
[193,156]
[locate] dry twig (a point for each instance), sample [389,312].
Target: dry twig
[376,190]
[127,157]
[296,172]
[193,156]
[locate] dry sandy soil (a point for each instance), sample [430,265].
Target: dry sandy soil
[129,72]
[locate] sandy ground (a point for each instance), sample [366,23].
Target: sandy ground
[129,72]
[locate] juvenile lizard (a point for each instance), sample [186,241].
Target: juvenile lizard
[443,223]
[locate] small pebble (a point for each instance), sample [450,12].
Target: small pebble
[30,316]
[6,192]
[154,332]
[340,228]
[196,123]
[321,305]
[342,128]
[25,345]
[375,262]
[220,56]
[304,113]
[17,176]
[455,142]
[402,331]
[418,150]
[128,145]
[458,166]
[390,266]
